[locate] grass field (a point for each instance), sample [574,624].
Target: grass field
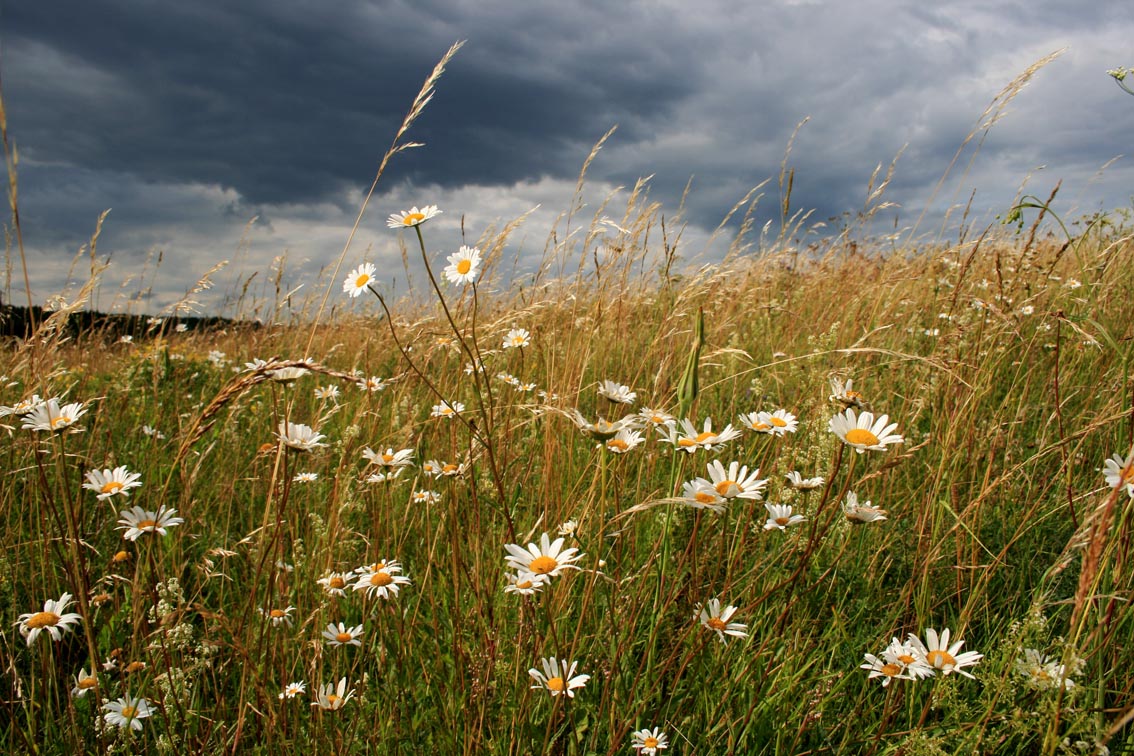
[494,534]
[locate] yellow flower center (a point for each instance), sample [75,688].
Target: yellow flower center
[542,565]
[111,487]
[120,556]
[703,497]
[134,666]
[450,469]
[649,743]
[556,684]
[779,422]
[524,585]
[61,420]
[783,521]
[277,613]
[761,427]
[464,266]
[705,436]
[337,582]
[387,458]
[716,623]
[617,444]
[332,699]
[657,419]
[412,218]
[86,683]
[940,659]
[344,637]
[891,670]
[146,525]
[686,442]
[129,712]
[861,436]
[42,619]
[853,396]
[381,579]
[727,488]
[1127,474]
[906,659]
[362,280]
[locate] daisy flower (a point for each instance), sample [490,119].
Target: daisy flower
[432,468]
[447,409]
[864,432]
[508,378]
[1042,673]
[331,697]
[84,683]
[616,392]
[381,579]
[776,423]
[800,483]
[153,432]
[127,712]
[453,470]
[358,279]
[54,619]
[300,437]
[23,407]
[1120,472]
[549,558]
[385,477]
[736,482]
[517,338]
[49,416]
[372,384]
[464,265]
[689,440]
[717,619]
[655,417]
[937,653]
[700,494]
[137,521]
[602,429]
[899,661]
[780,516]
[568,529]
[558,677]
[649,741]
[412,217]
[844,394]
[323,393]
[107,483]
[340,635]
[860,513]
[389,459]
[279,617]
[288,374]
[525,583]
[623,441]
[426,497]
[293,689]
[335,583]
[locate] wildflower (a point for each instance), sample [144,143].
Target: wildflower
[53,619]
[324,393]
[778,423]
[689,440]
[736,482]
[1073,283]
[508,378]
[358,279]
[331,697]
[153,432]
[1027,310]
[218,358]
[1120,472]
[372,384]
[453,470]
[107,483]
[655,417]
[305,477]
[385,477]
[1042,673]
[557,678]
[864,432]
[335,583]
[381,579]
[844,394]
[780,516]
[127,712]
[389,459]
[517,338]
[567,529]
[860,513]
[412,217]
[84,683]
[601,429]
[800,483]
[432,468]
[616,392]
[181,328]
[624,441]
[24,406]
[899,661]
[717,619]
[700,494]
[299,437]
[288,374]
[464,265]
[549,558]
[525,583]
[340,635]
[126,339]
[944,658]
[50,417]
[293,689]
[136,521]
[447,409]
[649,741]
[279,617]
[426,497]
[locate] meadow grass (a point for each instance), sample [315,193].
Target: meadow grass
[1004,360]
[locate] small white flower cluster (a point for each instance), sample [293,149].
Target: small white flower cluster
[915,660]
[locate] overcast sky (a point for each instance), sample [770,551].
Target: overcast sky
[189,119]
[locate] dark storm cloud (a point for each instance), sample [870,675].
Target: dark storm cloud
[190,119]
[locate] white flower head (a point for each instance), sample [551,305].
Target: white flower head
[358,279]
[558,677]
[127,712]
[548,558]
[715,618]
[412,217]
[648,741]
[108,483]
[299,437]
[780,516]
[137,521]
[517,338]
[464,265]
[616,392]
[863,432]
[53,619]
